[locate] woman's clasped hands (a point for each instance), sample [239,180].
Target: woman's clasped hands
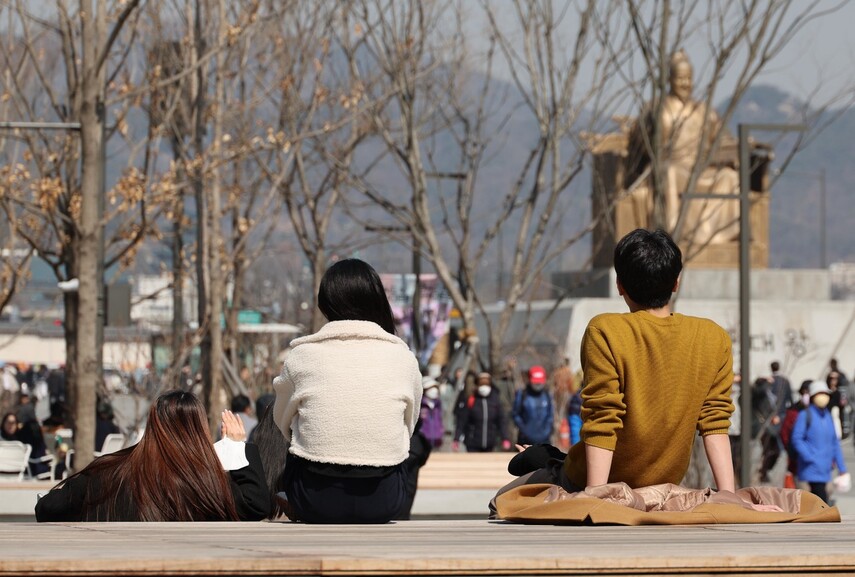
[233,427]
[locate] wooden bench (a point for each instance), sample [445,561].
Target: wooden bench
[423,548]
[465,471]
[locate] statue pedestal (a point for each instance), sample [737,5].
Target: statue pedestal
[710,284]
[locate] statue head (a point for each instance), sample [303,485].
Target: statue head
[680,76]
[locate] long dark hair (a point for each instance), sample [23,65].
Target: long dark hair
[3,434]
[172,474]
[273,451]
[351,291]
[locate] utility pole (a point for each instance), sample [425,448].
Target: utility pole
[823,230]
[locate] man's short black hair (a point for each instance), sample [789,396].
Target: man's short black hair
[775,366]
[240,403]
[648,265]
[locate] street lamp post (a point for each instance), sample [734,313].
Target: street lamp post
[823,232]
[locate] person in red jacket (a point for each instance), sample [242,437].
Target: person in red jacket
[787,432]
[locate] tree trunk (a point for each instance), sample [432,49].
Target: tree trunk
[178,281]
[238,261]
[318,269]
[213,380]
[70,305]
[90,259]
[203,281]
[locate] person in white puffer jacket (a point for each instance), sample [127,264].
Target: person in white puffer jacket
[347,402]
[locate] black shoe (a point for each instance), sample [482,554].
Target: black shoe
[534,458]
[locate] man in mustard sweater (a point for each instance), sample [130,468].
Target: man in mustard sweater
[652,378]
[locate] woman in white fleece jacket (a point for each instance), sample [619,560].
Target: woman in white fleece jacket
[347,402]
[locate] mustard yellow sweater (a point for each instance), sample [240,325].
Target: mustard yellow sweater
[650,382]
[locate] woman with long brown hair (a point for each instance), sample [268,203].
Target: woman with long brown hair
[173,474]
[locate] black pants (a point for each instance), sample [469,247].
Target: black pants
[819,490]
[318,498]
[736,454]
[771,452]
[474,449]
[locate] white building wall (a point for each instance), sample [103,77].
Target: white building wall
[802,336]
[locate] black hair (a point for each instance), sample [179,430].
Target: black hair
[351,291]
[648,265]
[262,402]
[104,410]
[272,449]
[240,403]
[775,366]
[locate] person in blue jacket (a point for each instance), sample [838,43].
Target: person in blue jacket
[532,411]
[574,417]
[815,442]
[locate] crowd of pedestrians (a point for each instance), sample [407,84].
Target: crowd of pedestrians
[806,427]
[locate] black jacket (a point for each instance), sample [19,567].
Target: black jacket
[249,488]
[482,422]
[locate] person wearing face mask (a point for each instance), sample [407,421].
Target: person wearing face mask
[431,413]
[482,420]
[533,409]
[815,442]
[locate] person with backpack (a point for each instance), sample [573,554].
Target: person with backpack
[778,399]
[815,442]
[574,417]
[787,433]
[533,409]
[430,413]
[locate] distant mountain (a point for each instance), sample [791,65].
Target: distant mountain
[795,229]
[796,222]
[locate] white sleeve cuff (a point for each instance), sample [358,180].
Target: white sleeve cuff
[232,454]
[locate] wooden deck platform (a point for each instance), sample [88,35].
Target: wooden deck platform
[424,548]
[466,471]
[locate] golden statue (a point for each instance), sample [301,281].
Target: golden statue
[688,129]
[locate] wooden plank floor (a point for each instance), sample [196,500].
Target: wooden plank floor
[466,471]
[423,547]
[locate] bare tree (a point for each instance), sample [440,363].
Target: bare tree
[197,99]
[445,121]
[15,256]
[70,202]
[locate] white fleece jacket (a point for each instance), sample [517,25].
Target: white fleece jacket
[349,394]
